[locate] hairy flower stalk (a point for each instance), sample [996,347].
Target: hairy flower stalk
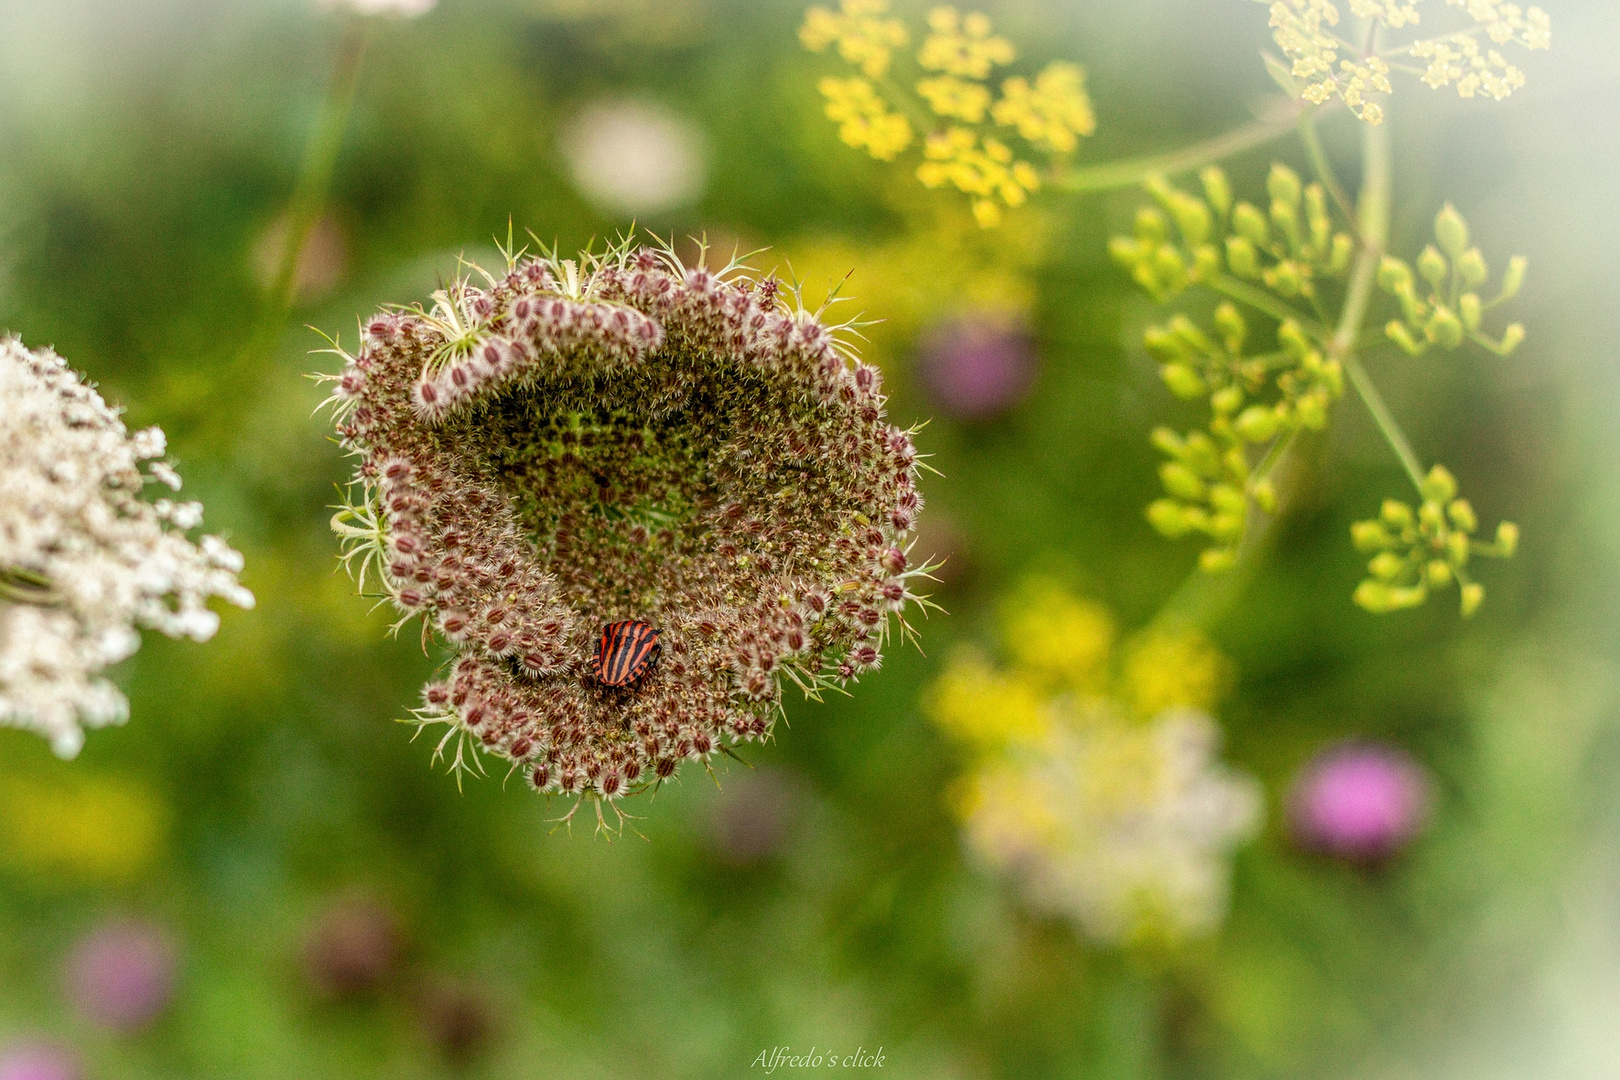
[85,559]
[621,437]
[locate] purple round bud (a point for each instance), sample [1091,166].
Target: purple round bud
[978,367]
[459,1020]
[121,975]
[38,1061]
[1358,800]
[353,948]
[755,813]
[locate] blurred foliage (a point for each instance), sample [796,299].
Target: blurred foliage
[146,149]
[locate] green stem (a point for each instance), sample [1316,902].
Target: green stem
[1319,163]
[308,201]
[1202,598]
[1132,171]
[19,586]
[1372,227]
[1261,300]
[320,161]
[1384,419]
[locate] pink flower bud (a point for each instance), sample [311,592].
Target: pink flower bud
[353,948]
[121,975]
[38,1061]
[978,367]
[1360,801]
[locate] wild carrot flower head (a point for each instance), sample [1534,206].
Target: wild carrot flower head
[85,559]
[622,437]
[1093,777]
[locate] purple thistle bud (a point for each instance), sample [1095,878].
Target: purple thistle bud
[1358,800]
[353,948]
[977,368]
[459,1020]
[38,1061]
[121,975]
[754,814]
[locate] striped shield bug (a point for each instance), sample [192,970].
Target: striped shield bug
[626,651]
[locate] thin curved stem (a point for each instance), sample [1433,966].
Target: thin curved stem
[1203,597]
[304,209]
[19,586]
[320,161]
[1321,165]
[1131,171]
[1261,300]
[1372,226]
[1384,419]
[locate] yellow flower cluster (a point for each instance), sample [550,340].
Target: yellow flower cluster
[984,169]
[1508,22]
[1302,29]
[98,830]
[1098,789]
[949,96]
[1053,113]
[863,117]
[1057,638]
[1298,28]
[1392,13]
[1458,61]
[1427,549]
[963,46]
[1168,669]
[864,38]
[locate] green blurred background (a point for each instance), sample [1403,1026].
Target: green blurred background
[149,149]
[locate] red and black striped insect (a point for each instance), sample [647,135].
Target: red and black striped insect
[626,651]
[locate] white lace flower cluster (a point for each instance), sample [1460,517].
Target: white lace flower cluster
[1125,828]
[1094,775]
[85,560]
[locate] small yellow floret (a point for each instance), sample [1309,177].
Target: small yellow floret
[950,96]
[963,46]
[1057,637]
[1392,13]
[863,118]
[984,170]
[981,706]
[1174,668]
[1054,113]
[863,38]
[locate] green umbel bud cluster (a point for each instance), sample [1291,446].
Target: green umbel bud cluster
[1441,305]
[1208,479]
[1423,550]
[1266,260]
[1288,247]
